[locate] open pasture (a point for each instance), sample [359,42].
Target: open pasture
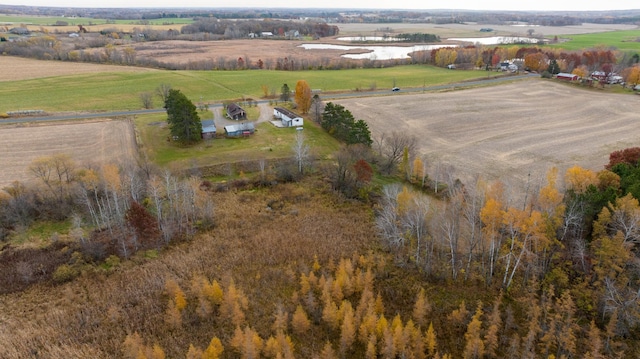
[508,132]
[111,88]
[96,142]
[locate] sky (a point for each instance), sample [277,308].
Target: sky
[519,5]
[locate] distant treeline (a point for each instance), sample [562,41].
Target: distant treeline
[419,37]
[235,29]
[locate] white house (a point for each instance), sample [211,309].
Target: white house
[288,118]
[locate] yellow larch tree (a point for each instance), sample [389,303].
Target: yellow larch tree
[491,337]
[371,352]
[194,352]
[281,320]
[430,341]
[214,350]
[594,343]
[367,327]
[381,326]
[328,352]
[414,341]
[387,347]
[474,347]
[421,308]
[234,303]
[330,315]
[300,321]
[347,328]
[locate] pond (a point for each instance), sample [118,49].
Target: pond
[379,52]
[373,52]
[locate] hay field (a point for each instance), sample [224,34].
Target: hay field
[97,141]
[510,131]
[25,69]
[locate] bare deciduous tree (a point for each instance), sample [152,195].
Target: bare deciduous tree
[147,100]
[392,147]
[163,91]
[301,151]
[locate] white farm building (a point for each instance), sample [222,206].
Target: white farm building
[288,118]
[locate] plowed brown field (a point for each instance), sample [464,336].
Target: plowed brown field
[25,69]
[96,142]
[508,132]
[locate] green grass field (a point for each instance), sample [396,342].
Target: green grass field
[621,40]
[120,91]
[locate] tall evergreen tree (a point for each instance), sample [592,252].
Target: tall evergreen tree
[184,122]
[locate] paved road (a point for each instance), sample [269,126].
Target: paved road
[325,97]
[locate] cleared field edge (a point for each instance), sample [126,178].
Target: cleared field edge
[92,142]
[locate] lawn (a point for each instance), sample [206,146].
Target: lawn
[268,142]
[111,91]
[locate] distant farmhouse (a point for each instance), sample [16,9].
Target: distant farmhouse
[244,129]
[208,129]
[19,31]
[235,112]
[288,118]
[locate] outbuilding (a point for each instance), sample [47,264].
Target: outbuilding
[567,76]
[235,112]
[244,129]
[288,117]
[208,129]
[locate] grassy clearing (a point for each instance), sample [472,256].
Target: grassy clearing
[41,232]
[621,40]
[120,91]
[268,142]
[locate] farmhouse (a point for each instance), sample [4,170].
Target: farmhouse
[567,76]
[235,112]
[288,118]
[244,129]
[208,129]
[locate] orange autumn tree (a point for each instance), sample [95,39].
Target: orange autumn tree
[303,96]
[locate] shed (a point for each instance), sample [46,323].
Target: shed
[208,129]
[244,129]
[567,76]
[235,112]
[288,118]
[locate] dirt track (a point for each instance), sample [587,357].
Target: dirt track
[509,131]
[96,142]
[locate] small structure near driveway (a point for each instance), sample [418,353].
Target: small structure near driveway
[244,129]
[567,76]
[235,112]
[288,118]
[208,129]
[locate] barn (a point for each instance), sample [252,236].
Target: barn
[567,76]
[208,129]
[288,118]
[244,129]
[235,112]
